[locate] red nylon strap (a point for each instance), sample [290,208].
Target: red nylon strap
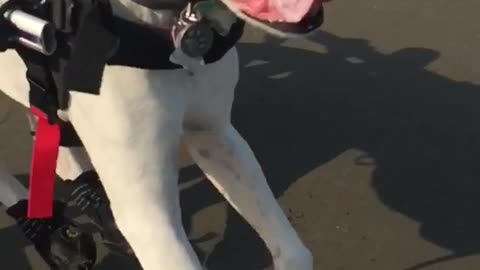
[44,163]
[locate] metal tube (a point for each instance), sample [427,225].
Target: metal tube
[34,33]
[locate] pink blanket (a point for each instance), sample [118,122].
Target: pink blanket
[291,11]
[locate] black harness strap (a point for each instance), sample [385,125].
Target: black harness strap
[89,48]
[41,93]
[42,97]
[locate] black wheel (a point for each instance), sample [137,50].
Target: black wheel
[72,249]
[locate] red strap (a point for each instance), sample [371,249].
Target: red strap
[42,171]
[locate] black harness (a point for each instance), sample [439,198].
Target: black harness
[89,37]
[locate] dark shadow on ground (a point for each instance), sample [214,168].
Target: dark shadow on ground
[422,130]
[12,246]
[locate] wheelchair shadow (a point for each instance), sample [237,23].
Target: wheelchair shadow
[299,109]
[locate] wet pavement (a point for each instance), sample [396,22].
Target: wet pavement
[369,134]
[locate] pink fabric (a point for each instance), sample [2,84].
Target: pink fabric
[291,11]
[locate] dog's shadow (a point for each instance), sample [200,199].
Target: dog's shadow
[299,109]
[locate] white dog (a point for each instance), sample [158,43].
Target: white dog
[132,131]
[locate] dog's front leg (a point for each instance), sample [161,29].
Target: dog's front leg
[232,167]
[131,132]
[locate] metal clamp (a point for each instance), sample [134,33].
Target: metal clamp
[191,33]
[30,31]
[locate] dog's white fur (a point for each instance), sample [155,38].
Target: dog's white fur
[131,132]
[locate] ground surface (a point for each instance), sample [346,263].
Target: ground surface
[369,133]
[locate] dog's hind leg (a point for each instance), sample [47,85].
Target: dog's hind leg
[14,84]
[231,166]
[11,191]
[13,81]
[131,132]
